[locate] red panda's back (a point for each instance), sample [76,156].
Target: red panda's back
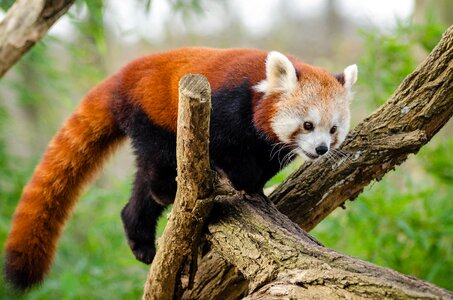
[152,81]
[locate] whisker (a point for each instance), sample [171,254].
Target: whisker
[275,147]
[330,157]
[335,155]
[341,154]
[283,163]
[280,161]
[287,158]
[278,151]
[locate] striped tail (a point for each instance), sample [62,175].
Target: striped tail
[71,160]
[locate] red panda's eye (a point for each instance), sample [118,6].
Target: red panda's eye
[333,129]
[308,126]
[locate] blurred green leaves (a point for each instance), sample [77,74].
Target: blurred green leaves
[91,27]
[438,161]
[406,226]
[390,56]
[6,4]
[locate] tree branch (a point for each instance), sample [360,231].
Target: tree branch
[281,261]
[195,181]
[25,23]
[417,110]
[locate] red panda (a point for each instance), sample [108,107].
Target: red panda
[261,102]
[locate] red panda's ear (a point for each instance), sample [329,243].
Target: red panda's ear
[348,77]
[280,74]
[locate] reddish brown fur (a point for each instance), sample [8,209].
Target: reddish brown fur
[157,91]
[71,160]
[264,113]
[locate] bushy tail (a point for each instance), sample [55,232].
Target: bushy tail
[71,160]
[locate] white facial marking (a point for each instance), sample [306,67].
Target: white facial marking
[310,141]
[285,124]
[336,118]
[314,116]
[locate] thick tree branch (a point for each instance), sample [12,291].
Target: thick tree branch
[25,23]
[417,110]
[281,261]
[195,182]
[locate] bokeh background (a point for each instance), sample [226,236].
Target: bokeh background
[404,222]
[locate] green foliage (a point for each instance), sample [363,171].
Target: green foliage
[386,62]
[389,57]
[407,227]
[6,4]
[11,182]
[187,5]
[427,35]
[42,90]
[91,27]
[438,161]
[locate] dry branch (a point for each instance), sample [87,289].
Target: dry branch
[25,23]
[195,182]
[418,109]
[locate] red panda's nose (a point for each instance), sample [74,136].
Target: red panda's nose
[322,149]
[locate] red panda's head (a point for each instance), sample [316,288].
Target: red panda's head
[310,106]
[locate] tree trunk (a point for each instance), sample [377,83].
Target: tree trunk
[418,109]
[25,23]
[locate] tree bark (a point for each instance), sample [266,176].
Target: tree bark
[195,181]
[281,261]
[25,23]
[414,114]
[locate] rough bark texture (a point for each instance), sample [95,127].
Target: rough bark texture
[25,23]
[281,261]
[195,182]
[418,109]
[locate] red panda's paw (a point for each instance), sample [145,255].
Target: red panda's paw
[139,231]
[143,251]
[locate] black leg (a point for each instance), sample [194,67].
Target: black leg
[154,186]
[140,217]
